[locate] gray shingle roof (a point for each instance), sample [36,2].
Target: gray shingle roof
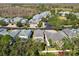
[68,32]
[6,20]
[37,16]
[25,33]
[46,13]
[4,32]
[16,19]
[55,36]
[38,33]
[1,29]
[14,33]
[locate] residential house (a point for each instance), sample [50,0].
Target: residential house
[45,14]
[77,14]
[33,23]
[14,33]
[69,32]
[1,29]
[24,21]
[54,36]
[3,32]
[38,35]
[25,34]
[6,20]
[16,19]
[62,13]
[37,18]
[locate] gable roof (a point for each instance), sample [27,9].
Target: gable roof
[38,33]
[23,21]
[4,32]
[26,33]
[37,17]
[69,32]
[55,36]
[6,20]
[16,19]
[14,33]
[46,13]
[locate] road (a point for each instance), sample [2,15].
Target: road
[27,28]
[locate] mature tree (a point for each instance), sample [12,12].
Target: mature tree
[4,44]
[2,23]
[19,24]
[71,44]
[40,24]
[71,16]
[28,17]
[29,48]
[50,42]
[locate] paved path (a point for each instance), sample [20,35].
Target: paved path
[55,51]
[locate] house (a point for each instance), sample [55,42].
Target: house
[1,29]
[62,13]
[37,17]
[69,32]
[25,34]
[54,36]
[14,33]
[45,14]
[77,14]
[3,32]
[6,20]
[24,21]
[38,35]
[75,32]
[16,19]
[33,23]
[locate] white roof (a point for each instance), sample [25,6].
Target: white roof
[37,17]
[6,20]
[34,21]
[46,13]
[64,13]
[23,21]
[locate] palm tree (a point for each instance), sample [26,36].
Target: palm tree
[29,48]
[4,44]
